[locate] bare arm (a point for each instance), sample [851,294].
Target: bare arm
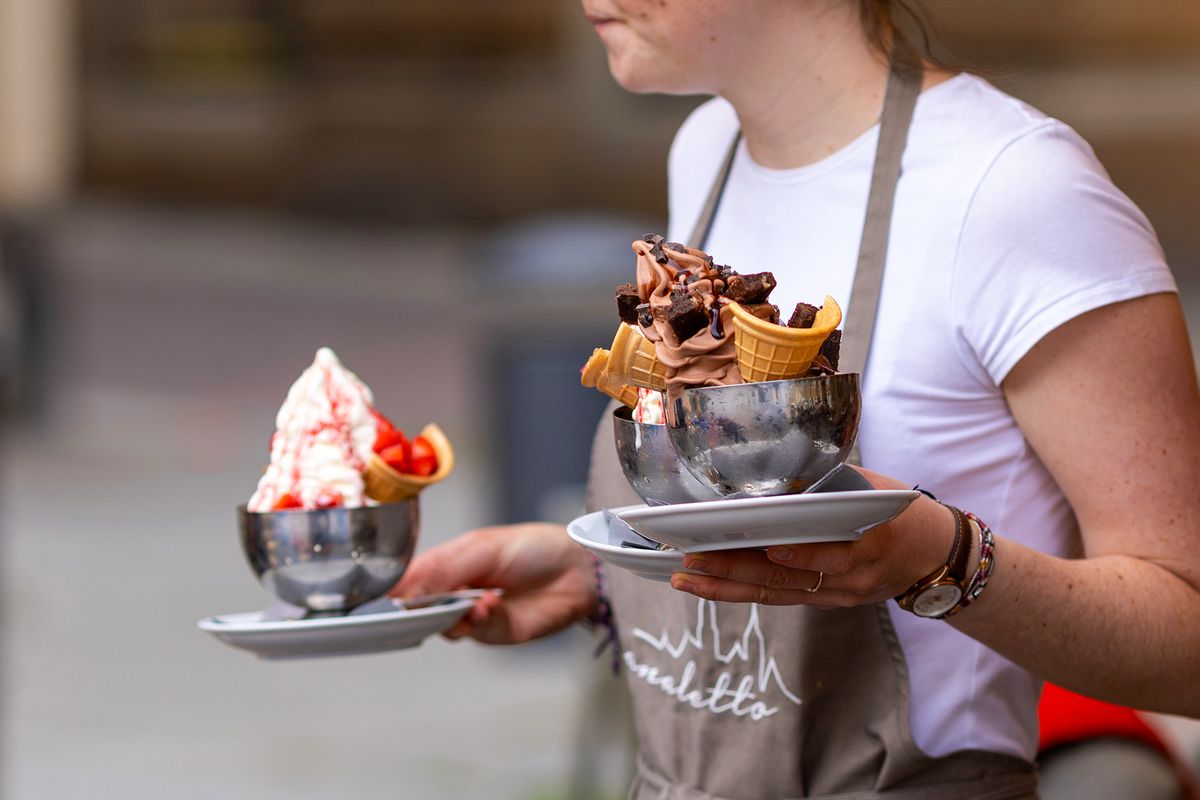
[1109,402]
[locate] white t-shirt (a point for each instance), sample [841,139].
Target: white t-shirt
[1005,227]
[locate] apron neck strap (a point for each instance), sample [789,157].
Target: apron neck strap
[903,87]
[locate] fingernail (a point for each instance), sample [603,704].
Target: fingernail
[781,554]
[680,583]
[696,563]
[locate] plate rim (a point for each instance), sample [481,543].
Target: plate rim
[213,624]
[742,503]
[605,547]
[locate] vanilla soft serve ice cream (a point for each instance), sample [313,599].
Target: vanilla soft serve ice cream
[649,409]
[323,439]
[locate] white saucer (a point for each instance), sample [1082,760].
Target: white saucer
[600,533]
[767,521]
[381,625]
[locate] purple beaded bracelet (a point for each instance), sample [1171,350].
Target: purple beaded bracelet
[987,549]
[602,618]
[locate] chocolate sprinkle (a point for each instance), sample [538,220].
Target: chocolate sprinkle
[644,317]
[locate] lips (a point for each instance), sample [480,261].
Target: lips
[598,16]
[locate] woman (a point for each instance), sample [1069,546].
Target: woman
[1029,364]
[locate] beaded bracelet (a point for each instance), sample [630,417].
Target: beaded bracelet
[987,560]
[602,618]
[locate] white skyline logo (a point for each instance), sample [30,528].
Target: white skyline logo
[742,694]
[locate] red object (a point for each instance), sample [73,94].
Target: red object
[388,438]
[424,458]
[329,499]
[286,500]
[398,456]
[1066,718]
[381,422]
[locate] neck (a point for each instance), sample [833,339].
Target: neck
[818,87]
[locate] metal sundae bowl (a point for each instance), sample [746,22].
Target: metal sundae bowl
[766,438]
[330,560]
[651,465]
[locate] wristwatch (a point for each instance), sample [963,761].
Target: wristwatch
[940,590]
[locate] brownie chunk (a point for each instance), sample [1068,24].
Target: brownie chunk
[804,316]
[685,316]
[764,311]
[748,289]
[627,303]
[831,349]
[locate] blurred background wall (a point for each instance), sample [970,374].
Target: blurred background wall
[196,194]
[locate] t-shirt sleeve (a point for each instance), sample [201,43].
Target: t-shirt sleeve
[1047,237]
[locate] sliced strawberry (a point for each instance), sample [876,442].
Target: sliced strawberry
[388,438]
[286,500]
[398,456]
[424,458]
[382,422]
[329,498]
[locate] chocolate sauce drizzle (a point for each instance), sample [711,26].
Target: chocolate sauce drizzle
[716,328]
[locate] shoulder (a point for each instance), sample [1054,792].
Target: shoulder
[967,125]
[1012,168]
[1044,234]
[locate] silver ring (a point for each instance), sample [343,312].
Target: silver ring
[820,580]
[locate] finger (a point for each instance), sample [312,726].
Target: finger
[751,566]
[728,591]
[464,561]
[478,614]
[832,558]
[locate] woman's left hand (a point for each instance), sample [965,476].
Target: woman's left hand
[885,562]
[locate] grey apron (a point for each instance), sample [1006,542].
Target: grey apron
[750,702]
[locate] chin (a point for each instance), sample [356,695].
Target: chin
[642,77]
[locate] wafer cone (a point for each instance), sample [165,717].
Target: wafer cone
[594,375]
[632,361]
[770,352]
[626,394]
[390,486]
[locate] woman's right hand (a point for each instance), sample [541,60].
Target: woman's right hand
[548,581]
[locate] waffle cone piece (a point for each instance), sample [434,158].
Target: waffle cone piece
[632,361]
[594,375]
[770,352]
[390,486]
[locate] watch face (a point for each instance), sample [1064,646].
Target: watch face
[936,600]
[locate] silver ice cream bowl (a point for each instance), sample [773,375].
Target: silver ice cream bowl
[651,464]
[766,438]
[330,560]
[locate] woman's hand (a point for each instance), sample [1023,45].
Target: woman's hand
[548,581]
[885,562]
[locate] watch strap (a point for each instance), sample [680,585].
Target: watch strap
[956,564]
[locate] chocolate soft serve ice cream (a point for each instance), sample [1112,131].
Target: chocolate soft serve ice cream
[689,322]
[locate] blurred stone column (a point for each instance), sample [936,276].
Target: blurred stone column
[37,46]
[37,163]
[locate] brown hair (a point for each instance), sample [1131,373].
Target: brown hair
[900,26]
